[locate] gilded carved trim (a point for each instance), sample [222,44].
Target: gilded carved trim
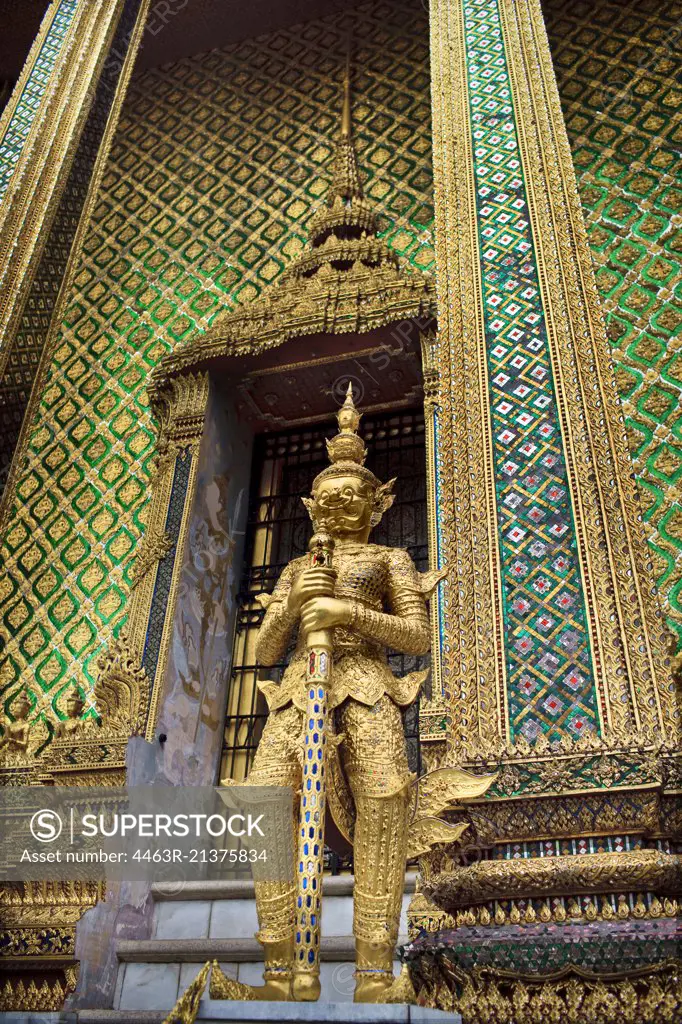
[121,690]
[630,640]
[180,408]
[433,484]
[424,917]
[633,870]
[47,904]
[54,335]
[330,301]
[489,996]
[627,637]
[570,816]
[129,683]
[28,70]
[472,663]
[36,185]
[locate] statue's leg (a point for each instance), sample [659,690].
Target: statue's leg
[375,760]
[277,763]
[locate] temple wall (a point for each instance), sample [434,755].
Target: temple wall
[218,162]
[616,65]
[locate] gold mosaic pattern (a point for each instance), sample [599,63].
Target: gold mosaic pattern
[218,164]
[616,64]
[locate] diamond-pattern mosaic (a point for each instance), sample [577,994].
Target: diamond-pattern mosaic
[549,678]
[218,164]
[21,120]
[618,68]
[23,351]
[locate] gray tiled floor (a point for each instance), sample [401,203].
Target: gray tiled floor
[149,987]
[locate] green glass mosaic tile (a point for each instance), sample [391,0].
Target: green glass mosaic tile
[617,65]
[218,164]
[549,676]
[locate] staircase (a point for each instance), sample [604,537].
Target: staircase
[217,921]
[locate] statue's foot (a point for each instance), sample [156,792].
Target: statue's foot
[306,988]
[278,991]
[372,988]
[273,989]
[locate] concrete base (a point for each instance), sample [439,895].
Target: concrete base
[287,1013]
[212,1010]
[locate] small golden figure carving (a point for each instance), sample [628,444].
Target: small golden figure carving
[16,735]
[371,599]
[74,725]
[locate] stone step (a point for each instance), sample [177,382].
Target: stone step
[38,1017]
[288,1013]
[199,921]
[243,889]
[154,973]
[237,950]
[218,910]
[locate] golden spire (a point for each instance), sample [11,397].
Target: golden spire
[347,446]
[346,177]
[346,213]
[346,114]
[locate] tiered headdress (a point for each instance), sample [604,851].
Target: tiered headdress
[347,453]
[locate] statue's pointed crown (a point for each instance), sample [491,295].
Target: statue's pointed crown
[347,454]
[347,446]
[346,449]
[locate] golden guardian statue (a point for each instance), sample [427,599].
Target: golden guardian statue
[348,611]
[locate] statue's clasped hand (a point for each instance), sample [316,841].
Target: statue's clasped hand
[324,613]
[311,583]
[311,599]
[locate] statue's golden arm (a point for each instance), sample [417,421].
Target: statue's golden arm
[406,627]
[277,626]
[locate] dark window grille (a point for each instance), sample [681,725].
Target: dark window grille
[284,466]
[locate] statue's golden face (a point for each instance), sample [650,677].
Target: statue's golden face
[343,507]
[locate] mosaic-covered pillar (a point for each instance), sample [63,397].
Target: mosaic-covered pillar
[554,651]
[55,137]
[59,119]
[554,629]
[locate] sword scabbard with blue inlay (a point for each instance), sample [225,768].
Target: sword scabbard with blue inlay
[310,860]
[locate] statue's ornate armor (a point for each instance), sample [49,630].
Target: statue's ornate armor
[369,599]
[388,610]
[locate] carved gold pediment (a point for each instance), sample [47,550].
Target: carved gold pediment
[346,280]
[121,690]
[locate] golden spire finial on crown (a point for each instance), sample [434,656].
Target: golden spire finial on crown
[347,446]
[348,416]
